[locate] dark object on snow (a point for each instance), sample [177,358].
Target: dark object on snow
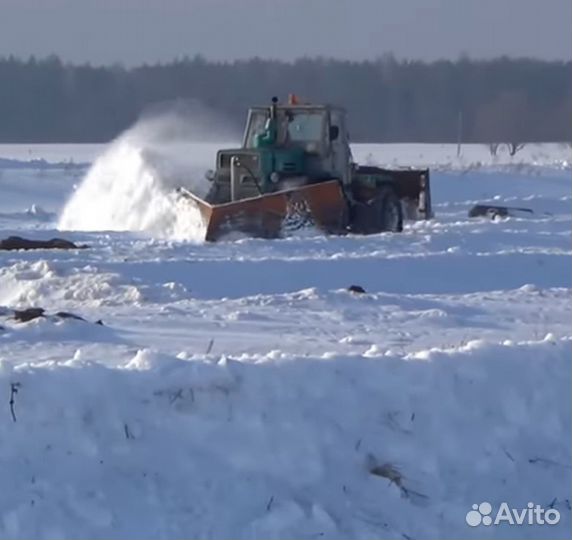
[73,316]
[29,314]
[492,211]
[387,470]
[17,242]
[357,289]
[66,315]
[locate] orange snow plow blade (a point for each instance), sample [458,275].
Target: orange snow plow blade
[272,215]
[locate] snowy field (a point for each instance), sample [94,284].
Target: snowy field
[238,390]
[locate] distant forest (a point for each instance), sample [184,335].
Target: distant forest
[388,100]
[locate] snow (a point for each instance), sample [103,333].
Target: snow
[531,158]
[240,390]
[440,156]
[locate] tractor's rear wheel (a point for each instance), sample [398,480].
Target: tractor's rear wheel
[382,213]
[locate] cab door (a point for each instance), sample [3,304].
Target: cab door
[340,154]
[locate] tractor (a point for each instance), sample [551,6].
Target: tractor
[295,169]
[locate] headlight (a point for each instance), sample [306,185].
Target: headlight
[274,177]
[210,175]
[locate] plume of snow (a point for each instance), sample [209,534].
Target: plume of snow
[131,186]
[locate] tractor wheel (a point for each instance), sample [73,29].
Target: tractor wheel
[383,213]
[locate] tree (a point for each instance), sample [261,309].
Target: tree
[388,100]
[504,119]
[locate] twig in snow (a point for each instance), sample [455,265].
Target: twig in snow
[127,432]
[548,462]
[269,505]
[565,502]
[388,471]
[508,454]
[210,347]
[13,391]
[393,474]
[393,423]
[176,395]
[412,494]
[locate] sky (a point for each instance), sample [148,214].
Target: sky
[132,32]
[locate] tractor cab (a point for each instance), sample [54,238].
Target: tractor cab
[302,127]
[284,146]
[312,135]
[295,169]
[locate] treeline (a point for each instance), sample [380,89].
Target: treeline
[501,100]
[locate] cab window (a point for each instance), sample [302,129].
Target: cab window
[305,127]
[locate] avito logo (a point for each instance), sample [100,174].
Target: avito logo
[482,514]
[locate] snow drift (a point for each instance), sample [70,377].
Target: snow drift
[164,446]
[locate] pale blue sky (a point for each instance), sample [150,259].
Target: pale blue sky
[136,31]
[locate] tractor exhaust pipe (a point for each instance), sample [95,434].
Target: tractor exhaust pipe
[273,108]
[234,178]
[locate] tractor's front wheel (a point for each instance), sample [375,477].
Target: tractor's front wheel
[383,213]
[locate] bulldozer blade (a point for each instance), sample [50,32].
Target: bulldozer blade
[321,205]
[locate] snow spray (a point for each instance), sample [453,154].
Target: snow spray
[131,186]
